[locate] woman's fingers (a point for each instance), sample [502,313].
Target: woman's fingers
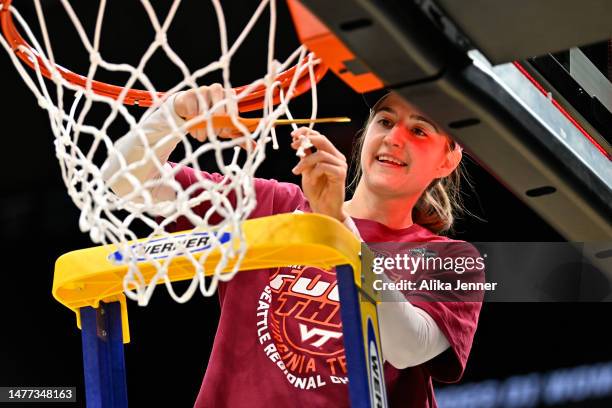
[319,141]
[332,171]
[326,151]
[320,156]
[230,107]
[194,102]
[323,173]
[188,104]
[216,95]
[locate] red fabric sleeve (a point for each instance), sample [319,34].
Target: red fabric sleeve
[457,317]
[458,321]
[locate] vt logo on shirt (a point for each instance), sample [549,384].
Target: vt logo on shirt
[305,327]
[324,335]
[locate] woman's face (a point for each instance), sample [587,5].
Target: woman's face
[403,152]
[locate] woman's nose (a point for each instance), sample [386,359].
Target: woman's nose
[396,136]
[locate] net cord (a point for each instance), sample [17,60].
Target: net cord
[110,218]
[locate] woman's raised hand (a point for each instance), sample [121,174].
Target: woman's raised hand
[323,173]
[188,104]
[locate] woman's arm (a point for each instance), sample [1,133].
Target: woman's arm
[131,149]
[158,137]
[409,335]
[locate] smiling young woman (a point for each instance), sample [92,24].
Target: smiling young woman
[411,167]
[279,339]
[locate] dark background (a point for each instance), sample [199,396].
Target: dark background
[39,341]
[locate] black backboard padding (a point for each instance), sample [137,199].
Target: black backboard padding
[398,42]
[432,74]
[512,30]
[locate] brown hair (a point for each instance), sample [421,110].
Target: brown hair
[440,203]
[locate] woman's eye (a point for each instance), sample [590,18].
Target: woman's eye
[419,132]
[386,123]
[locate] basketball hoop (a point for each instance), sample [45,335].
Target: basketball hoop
[28,55]
[69,98]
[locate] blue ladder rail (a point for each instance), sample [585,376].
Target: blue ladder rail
[103,358]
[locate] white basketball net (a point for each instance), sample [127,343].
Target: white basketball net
[108,218]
